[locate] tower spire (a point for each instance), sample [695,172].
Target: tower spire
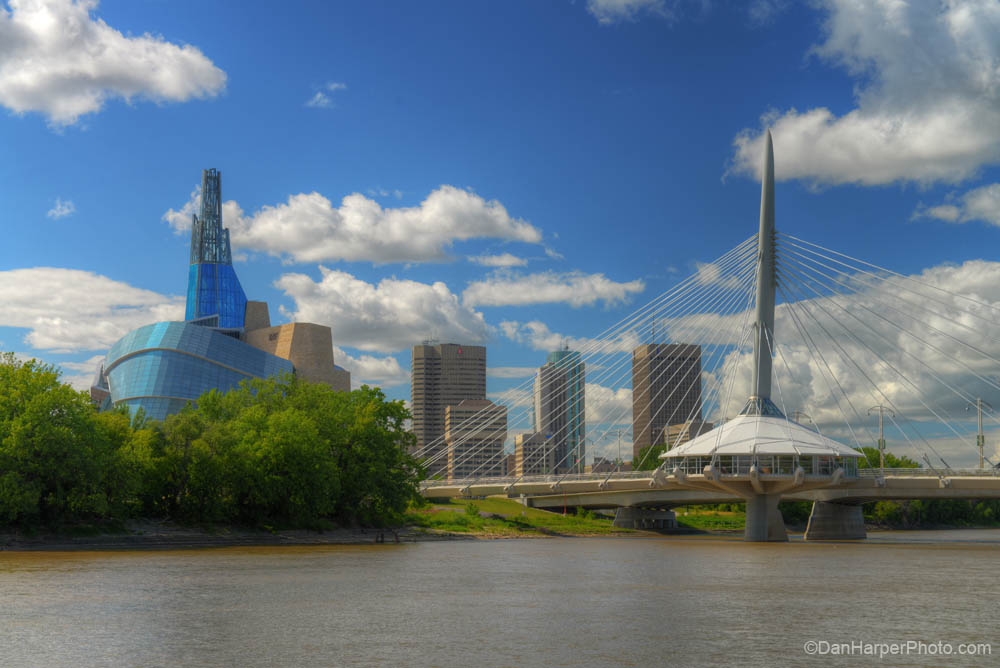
[764,322]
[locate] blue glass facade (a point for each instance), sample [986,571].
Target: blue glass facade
[161,367]
[214,289]
[576,418]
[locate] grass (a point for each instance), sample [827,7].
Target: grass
[498,516]
[710,520]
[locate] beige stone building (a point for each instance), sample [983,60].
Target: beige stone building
[308,346]
[475,431]
[534,454]
[443,375]
[666,389]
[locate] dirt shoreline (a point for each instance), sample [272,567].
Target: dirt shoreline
[165,536]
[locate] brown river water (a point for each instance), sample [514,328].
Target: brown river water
[671,601]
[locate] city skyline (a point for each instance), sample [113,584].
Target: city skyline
[396,174]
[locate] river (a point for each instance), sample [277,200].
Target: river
[684,601]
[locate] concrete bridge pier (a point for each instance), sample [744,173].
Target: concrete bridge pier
[764,521]
[835,521]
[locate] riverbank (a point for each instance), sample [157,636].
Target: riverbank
[494,518]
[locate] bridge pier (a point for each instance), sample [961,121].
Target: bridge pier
[630,517]
[835,521]
[764,521]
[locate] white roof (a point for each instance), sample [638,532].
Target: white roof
[761,435]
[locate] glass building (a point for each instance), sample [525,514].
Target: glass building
[162,366]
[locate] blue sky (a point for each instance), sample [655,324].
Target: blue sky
[371,150]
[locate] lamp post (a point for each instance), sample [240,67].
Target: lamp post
[980,439]
[882,410]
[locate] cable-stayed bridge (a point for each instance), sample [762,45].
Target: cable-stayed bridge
[781,326]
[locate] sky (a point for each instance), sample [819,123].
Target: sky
[511,174]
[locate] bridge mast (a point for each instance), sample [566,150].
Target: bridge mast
[766,279]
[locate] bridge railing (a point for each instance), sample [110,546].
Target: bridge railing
[925,472]
[536,479]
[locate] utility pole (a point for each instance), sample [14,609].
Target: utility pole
[882,410]
[619,449]
[980,439]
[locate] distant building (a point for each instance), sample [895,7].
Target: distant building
[666,389]
[559,402]
[533,455]
[676,434]
[601,465]
[443,375]
[475,431]
[509,464]
[223,340]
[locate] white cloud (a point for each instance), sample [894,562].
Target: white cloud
[614,11]
[978,204]
[538,335]
[85,372]
[608,405]
[57,59]
[502,260]
[762,12]
[67,310]
[391,316]
[574,288]
[510,371]
[308,228]
[61,209]
[928,98]
[319,101]
[371,370]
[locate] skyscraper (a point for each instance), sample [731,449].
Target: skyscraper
[666,389]
[443,375]
[559,402]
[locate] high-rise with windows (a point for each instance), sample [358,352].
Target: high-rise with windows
[666,389]
[443,374]
[559,403]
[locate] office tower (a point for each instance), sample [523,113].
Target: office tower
[533,455]
[559,401]
[444,374]
[474,432]
[666,389]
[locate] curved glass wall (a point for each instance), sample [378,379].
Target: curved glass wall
[818,465]
[161,367]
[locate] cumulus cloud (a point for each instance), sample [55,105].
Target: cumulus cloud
[538,335]
[58,59]
[309,228]
[83,372]
[388,317]
[371,370]
[574,288]
[67,310]
[978,204]
[927,98]
[502,260]
[61,209]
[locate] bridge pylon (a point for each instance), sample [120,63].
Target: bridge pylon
[761,454]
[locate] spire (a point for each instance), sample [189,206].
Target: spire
[209,241]
[764,322]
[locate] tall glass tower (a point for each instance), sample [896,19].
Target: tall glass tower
[214,292]
[559,407]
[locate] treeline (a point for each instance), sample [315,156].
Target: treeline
[276,452]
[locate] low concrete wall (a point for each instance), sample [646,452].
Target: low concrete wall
[835,521]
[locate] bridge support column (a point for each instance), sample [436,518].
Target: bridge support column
[835,521]
[628,517]
[764,520]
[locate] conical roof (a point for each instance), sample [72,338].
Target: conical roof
[761,435]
